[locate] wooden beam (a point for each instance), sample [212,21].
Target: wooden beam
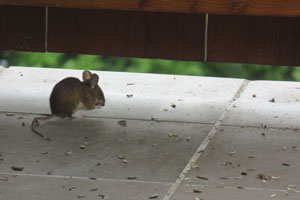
[254,39]
[126,33]
[22,28]
[247,7]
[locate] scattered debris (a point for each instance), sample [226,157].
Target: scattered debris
[202,177]
[98,164]
[129,95]
[72,188]
[68,153]
[238,177]
[131,177]
[272,100]
[10,114]
[173,105]
[44,152]
[48,139]
[250,157]
[244,173]
[223,178]
[172,134]
[291,186]
[81,196]
[20,117]
[102,196]
[250,170]
[122,123]
[82,146]
[154,196]
[285,164]
[165,109]
[15,168]
[23,123]
[49,173]
[154,144]
[275,177]
[263,134]
[86,143]
[3,179]
[194,166]
[227,163]
[253,95]
[284,148]
[130,83]
[93,178]
[263,177]
[231,153]
[273,195]
[188,138]
[197,191]
[123,158]
[94,189]
[239,187]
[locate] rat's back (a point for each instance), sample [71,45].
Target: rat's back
[65,97]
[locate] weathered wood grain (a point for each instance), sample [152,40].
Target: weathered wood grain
[252,39]
[22,28]
[253,7]
[126,33]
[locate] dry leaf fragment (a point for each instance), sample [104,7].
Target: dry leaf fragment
[17,168]
[94,189]
[154,196]
[72,188]
[131,177]
[272,100]
[202,177]
[10,114]
[197,191]
[129,95]
[172,134]
[122,123]
[275,177]
[285,164]
[231,153]
[239,187]
[292,186]
[81,196]
[82,146]
[122,157]
[244,173]
[173,105]
[68,153]
[125,161]
[273,195]
[3,179]
[194,166]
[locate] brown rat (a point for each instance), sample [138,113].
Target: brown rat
[71,94]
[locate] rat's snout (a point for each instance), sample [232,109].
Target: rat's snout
[100,103]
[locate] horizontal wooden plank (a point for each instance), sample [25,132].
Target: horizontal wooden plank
[253,7]
[22,28]
[126,33]
[252,39]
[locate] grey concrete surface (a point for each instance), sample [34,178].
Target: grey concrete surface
[223,138]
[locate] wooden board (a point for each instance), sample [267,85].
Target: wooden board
[22,28]
[257,40]
[125,33]
[253,7]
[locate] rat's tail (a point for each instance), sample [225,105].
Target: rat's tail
[35,120]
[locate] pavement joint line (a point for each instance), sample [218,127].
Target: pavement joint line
[246,188]
[83,178]
[205,142]
[163,121]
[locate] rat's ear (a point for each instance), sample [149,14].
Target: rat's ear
[94,80]
[86,75]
